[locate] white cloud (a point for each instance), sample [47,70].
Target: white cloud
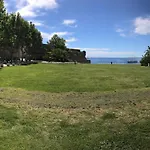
[122,34]
[93,49]
[106,52]
[37,23]
[73,39]
[70,23]
[27,12]
[45,35]
[61,34]
[142,25]
[40,23]
[110,54]
[119,30]
[6,3]
[49,35]
[31,8]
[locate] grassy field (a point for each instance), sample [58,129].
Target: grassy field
[77,78]
[75,107]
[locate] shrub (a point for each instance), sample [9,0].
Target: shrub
[146,58]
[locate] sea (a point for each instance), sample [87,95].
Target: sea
[101,60]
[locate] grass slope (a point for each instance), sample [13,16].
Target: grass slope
[77,78]
[76,121]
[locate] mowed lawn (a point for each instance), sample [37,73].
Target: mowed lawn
[77,78]
[75,107]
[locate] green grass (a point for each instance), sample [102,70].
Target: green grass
[77,78]
[75,107]
[76,121]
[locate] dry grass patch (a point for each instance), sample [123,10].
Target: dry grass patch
[58,121]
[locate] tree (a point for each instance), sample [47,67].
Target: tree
[11,35]
[34,41]
[2,15]
[57,50]
[57,42]
[3,20]
[146,58]
[22,32]
[57,55]
[18,37]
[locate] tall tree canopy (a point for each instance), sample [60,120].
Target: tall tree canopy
[57,42]
[34,41]
[18,37]
[57,50]
[3,18]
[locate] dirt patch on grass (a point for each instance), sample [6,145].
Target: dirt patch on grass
[129,105]
[98,120]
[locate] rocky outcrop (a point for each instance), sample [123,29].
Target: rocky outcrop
[76,55]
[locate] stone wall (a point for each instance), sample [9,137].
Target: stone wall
[74,55]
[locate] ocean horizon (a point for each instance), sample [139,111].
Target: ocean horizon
[117,60]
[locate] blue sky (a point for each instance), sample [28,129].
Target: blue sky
[104,28]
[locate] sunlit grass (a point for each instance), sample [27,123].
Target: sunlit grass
[77,78]
[75,107]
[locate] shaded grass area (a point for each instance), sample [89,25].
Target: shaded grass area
[73,120]
[76,78]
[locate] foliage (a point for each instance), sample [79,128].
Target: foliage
[57,55]
[18,37]
[56,42]
[3,18]
[56,50]
[146,58]
[34,42]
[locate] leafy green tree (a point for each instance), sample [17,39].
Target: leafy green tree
[3,20]
[57,50]
[10,40]
[146,58]
[11,35]
[2,15]
[34,41]
[21,33]
[57,55]
[18,37]
[57,42]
